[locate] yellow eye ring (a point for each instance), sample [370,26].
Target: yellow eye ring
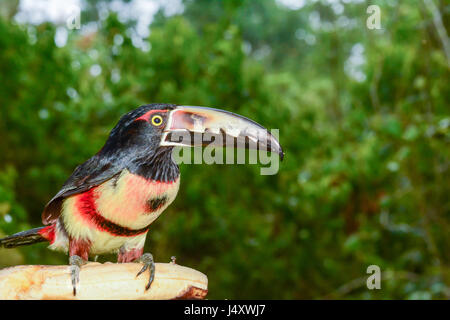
[157,120]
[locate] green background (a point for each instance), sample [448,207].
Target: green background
[363,118]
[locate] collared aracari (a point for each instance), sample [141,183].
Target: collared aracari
[109,201]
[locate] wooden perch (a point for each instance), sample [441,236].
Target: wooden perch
[102,281]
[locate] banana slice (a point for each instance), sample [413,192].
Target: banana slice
[102,282]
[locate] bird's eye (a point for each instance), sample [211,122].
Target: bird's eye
[157,120]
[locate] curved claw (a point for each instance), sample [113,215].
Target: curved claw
[75,263]
[147,260]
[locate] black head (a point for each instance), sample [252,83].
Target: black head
[142,127]
[135,141]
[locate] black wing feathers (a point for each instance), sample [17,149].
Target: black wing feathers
[90,174]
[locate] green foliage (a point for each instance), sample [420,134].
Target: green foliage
[365,177]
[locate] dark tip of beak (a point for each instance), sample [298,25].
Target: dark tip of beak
[281,153]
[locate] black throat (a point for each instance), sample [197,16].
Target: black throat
[158,166]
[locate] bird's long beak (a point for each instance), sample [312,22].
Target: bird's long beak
[201,126]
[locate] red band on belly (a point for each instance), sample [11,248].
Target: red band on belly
[88,210]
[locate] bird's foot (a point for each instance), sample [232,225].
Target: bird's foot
[75,263]
[147,260]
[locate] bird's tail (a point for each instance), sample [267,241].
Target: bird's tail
[26,237]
